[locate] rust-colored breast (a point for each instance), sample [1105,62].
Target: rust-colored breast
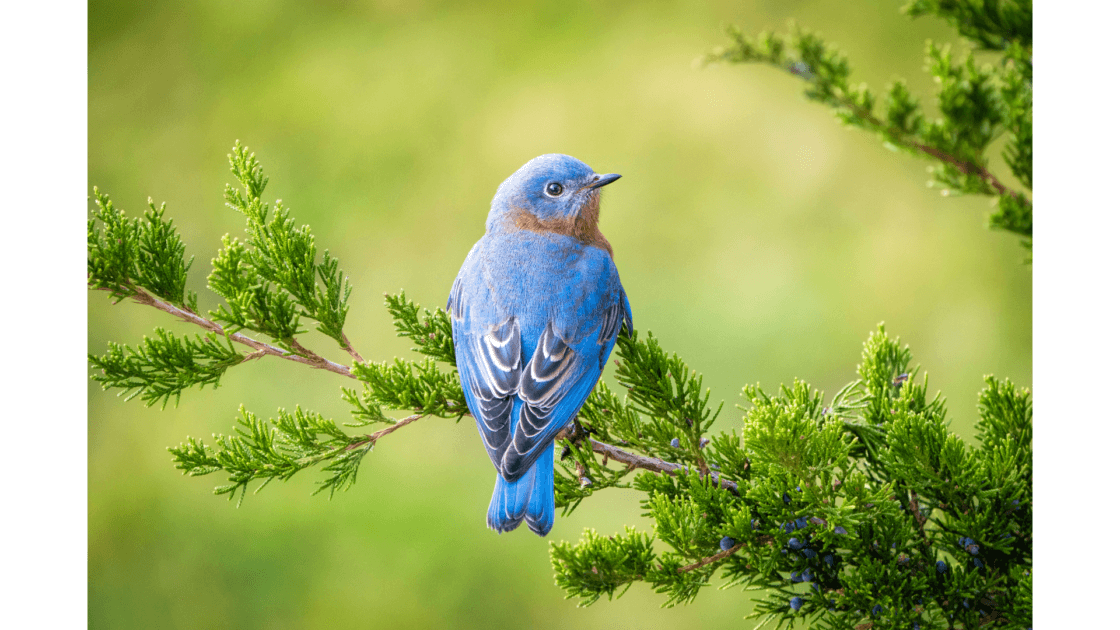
[584,227]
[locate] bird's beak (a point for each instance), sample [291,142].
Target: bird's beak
[602,180]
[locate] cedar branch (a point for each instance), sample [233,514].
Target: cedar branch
[710,559]
[372,438]
[311,359]
[304,356]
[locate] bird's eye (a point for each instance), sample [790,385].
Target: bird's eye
[554,189]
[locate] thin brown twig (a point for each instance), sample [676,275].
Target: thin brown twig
[256,354]
[304,356]
[350,349]
[652,463]
[372,438]
[916,511]
[703,463]
[710,559]
[966,167]
[634,460]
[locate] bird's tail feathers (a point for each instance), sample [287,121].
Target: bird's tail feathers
[541,510]
[507,506]
[529,499]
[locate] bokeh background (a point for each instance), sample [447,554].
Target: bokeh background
[755,236]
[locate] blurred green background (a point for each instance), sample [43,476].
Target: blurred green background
[755,236]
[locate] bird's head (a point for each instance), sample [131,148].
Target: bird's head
[551,192]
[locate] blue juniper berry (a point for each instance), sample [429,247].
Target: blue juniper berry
[726,543]
[535,311]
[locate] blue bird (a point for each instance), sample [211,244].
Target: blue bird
[535,311]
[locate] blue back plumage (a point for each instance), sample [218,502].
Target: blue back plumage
[535,311]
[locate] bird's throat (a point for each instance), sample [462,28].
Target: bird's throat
[584,226]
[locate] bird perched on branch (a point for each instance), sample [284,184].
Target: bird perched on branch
[535,311]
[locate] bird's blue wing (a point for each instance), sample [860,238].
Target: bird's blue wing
[626,309]
[527,365]
[617,317]
[455,299]
[490,366]
[488,357]
[556,381]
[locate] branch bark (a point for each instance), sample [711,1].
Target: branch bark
[966,167]
[372,438]
[653,464]
[916,512]
[706,561]
[350,348]
[260,348]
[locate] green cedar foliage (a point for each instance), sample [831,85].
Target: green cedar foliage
[269,282]
[276,449]
[847,508]
[127,256]
[976,102]
[272,279]
[162,367]
[862,510]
